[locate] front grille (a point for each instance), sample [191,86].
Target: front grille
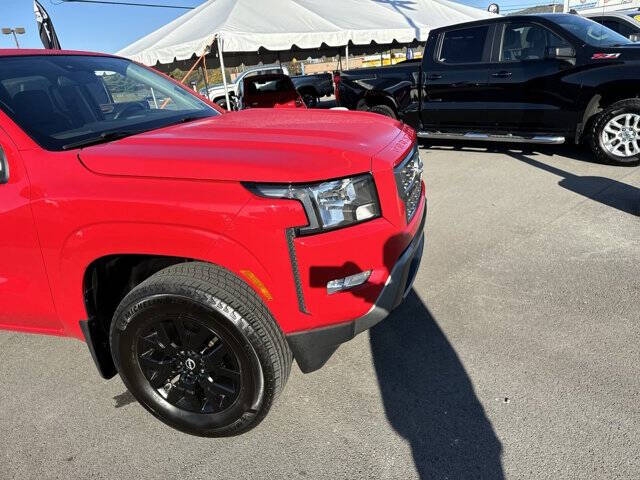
[409,181]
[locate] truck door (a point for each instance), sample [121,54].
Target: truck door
[455,79]
[25,297]
[529,87]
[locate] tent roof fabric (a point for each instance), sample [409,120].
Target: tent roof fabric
[279,25]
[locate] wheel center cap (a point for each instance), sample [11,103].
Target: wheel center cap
[190,364]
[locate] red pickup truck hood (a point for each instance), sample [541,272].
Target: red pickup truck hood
[253,145]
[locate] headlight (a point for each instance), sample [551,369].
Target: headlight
[328,205]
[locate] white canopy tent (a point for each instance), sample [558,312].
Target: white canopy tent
[245,30]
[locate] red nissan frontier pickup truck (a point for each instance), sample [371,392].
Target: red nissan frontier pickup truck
[197,253]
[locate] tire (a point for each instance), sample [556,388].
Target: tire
[222,103]
[310,100]
[606,122]
[384,110]
[198,349]
[362,106]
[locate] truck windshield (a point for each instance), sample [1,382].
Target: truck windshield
[590,32]
[67,101]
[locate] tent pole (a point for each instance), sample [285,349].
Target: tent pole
[224,74]
[206,83]
[347,56]
[184,80]
[204,63]
[206,77]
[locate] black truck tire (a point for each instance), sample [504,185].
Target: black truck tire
[197,347]
[310,99]
[222,103]
[383,110]
[614,136]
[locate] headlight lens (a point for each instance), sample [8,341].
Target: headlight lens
[329,205]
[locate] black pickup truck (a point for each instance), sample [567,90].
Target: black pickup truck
[545,78]
[313,87]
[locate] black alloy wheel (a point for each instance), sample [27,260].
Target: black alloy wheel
[197,347]
[190,365]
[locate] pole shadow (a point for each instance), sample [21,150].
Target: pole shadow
[404,8]
[429,398]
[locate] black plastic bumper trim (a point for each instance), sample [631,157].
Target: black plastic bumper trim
[313,348]
[293,259]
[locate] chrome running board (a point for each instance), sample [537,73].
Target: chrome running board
[488,137]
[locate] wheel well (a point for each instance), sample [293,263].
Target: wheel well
[308,89]
[379,98]
[599,102]
[107,281]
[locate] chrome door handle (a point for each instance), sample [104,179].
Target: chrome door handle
[434,76]
[501,74]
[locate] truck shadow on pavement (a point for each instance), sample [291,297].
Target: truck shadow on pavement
[429,398]
[610,192]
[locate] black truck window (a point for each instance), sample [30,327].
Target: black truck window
[464,45]
[618,26]
[527,41]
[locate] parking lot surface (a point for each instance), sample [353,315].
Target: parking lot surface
[516,355]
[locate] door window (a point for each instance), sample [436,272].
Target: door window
[623,28]
[528,41]
[464,45]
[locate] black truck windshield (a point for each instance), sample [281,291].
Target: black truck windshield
[590,32]
[67,101]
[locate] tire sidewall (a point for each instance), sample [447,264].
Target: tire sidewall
[140,313]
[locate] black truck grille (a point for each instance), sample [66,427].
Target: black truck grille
[409,181]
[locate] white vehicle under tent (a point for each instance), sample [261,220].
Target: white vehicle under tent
[236,32]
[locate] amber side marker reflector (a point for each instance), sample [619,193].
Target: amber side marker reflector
[256,282]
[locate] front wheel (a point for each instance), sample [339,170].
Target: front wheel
[615,134]
[199,350]
[310,100]
[383,110]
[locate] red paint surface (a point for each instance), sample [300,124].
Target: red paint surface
[177,192]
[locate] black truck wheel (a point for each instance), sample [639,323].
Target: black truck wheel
[198,349]
[615,134]
[383,110]
[310,99]
[222,103]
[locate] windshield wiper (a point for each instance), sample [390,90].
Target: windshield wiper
[190,118]
[104,137]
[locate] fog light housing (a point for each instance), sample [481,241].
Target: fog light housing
[346,283]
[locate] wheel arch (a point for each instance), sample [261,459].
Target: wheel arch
[377,97]
[308,89]
[100,264]
[603,98]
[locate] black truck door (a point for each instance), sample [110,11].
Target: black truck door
[529,89]
[455,79]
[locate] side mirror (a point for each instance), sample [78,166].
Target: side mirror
[634,37]
[561,53]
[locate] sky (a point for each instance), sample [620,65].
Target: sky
[108,28]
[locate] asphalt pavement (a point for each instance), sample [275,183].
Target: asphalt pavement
[516,355]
